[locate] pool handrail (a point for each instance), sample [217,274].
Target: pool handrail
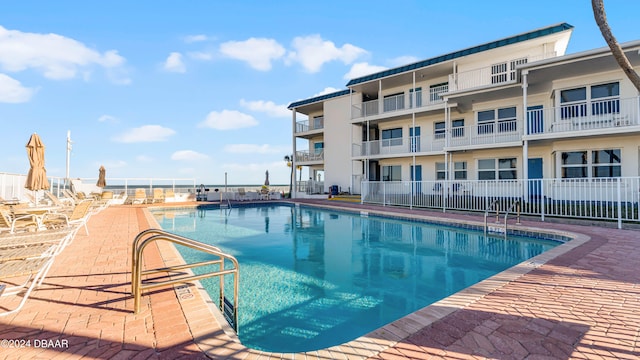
[148,236]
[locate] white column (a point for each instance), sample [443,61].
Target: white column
[526,125]
[293,156]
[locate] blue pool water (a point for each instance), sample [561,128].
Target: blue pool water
[311,279]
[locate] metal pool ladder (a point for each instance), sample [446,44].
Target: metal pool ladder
[174,274]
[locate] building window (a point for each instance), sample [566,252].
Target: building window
[392,137]
[499,73]
[457,128]
[501,169]
[441,173]
[391,173]
[598,164]
[606,163]
[604,99]
[435,91]
[503,119]
[439,130]
[393,102]
[418,94]
[459,171]
[318,147]
[574,165]
[318,122]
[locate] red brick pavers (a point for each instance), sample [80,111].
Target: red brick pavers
[85,307]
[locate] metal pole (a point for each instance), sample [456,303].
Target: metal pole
[66,180]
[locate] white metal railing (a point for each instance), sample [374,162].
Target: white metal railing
[12,186]
[586,115]
[306,155]
[614,199]
[309,125]
[491,75]
[487,133]
[399,102]
[310,187]
[404,145]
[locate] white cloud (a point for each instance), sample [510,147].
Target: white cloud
[174,63]
[146,133]
[107,118]
[228,120]
[188,155]
[268,107]
[195,38]
[256,149]
[55,56]
[327,90]
[313,52]
[257,52]
[362,69]
[12,91]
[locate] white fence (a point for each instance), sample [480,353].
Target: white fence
[614,199]
[12,186]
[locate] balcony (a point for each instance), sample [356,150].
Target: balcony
[306,156]
[497,74]
[396,103]
[316,123]
[398,146]
[610,115]
[491,133]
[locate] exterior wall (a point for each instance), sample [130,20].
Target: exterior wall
[337,143]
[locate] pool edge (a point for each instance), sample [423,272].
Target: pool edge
[225,343]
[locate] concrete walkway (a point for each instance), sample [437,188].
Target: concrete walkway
[582,304]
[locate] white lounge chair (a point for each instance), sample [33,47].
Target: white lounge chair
[29,257]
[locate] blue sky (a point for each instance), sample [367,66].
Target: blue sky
[194,89]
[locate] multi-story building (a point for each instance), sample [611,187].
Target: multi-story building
[517,108]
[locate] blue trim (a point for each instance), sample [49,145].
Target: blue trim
[318,98]
[460,53]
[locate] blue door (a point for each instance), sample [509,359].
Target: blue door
[535,174]
[417,185]
[414,139]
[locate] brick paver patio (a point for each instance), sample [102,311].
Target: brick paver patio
[582,304]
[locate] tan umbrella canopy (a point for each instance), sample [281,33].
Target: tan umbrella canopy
[102,182]
[37,178]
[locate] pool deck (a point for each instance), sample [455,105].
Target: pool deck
[581,300]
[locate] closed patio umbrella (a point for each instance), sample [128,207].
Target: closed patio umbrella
[266,179]
[102,182]
[37,177]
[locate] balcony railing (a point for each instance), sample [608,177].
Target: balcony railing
[491,75]
[502,131]
[399,102]
[306,125]
[397,146]
[308,156]
[586,115]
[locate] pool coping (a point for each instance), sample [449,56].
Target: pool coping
[226,344]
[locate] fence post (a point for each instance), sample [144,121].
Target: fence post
[384,194]
[619,205]
[543,199]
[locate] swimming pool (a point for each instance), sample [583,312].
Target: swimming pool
[313,278]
